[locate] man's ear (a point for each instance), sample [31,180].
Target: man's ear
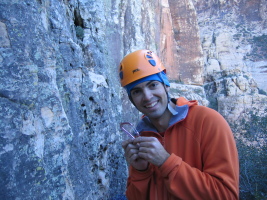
[131,99]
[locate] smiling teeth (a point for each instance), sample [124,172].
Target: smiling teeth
[152,105]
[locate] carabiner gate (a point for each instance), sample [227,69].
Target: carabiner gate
[129,128]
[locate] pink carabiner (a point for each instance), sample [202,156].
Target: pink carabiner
[133,133]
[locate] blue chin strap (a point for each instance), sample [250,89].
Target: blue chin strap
[161,77]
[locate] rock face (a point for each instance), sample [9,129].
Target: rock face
[234,40]
[60,98]
[180,42]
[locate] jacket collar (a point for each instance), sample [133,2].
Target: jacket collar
[179,113]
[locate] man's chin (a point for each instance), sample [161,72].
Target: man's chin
[153,115]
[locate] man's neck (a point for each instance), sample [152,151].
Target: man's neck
[162,123]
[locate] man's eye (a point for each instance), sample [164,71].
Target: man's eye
[154,84]
[135,92]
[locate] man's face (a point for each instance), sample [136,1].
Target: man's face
[150,98]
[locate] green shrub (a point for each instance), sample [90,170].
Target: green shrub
[252,156]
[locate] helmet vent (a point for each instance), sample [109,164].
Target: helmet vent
[152,62]
[150,59]
[121,75]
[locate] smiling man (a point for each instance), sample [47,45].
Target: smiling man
[185,151]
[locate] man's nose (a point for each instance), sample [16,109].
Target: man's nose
[147,94]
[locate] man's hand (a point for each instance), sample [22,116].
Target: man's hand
[132,157]
[151,150]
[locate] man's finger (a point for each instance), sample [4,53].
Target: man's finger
[143,139]
[125,143]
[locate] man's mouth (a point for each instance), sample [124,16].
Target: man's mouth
[151,105]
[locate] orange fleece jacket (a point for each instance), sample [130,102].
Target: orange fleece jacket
[203,162]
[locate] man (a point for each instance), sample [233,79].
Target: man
[185,151]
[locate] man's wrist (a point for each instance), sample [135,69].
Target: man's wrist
[142,170]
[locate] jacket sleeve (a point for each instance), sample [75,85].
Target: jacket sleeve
[138,183]
[219,176]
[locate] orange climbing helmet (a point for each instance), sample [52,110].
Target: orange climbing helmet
[139,64]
